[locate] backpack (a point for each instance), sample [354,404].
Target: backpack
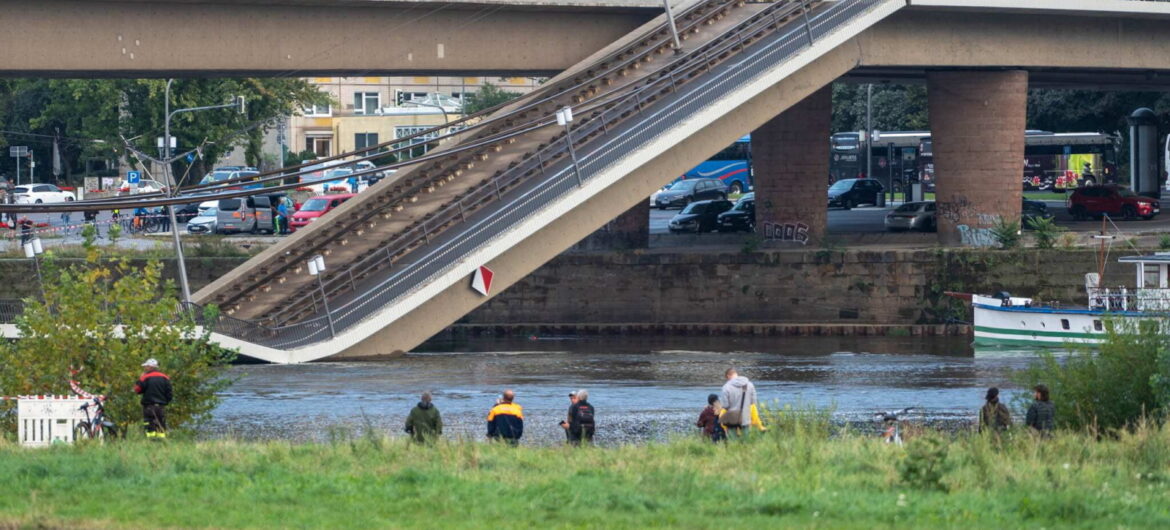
[585,414]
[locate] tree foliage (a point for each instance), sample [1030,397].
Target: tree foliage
[895,107]
[1126,379]
[488,96]
[104,318]
[89,117]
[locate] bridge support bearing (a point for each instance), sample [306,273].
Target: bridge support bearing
[977,122]
[790,159]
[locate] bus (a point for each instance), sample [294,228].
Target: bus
[732,165]
[1052,161]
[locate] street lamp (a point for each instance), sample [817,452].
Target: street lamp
[564,119]
[673,29]
[32,249]
[317,268]
[446,120]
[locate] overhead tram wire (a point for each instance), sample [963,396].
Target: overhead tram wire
[282,174]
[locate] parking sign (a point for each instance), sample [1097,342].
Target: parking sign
[133,177]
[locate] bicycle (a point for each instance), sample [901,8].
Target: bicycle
[892,434]
[97,426]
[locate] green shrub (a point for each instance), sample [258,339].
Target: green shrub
[1164,242]
[1045,231]
[1006,233]
[925,463]
[1124,381]
[75,327]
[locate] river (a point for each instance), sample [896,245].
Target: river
[642,388]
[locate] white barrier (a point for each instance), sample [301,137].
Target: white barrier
[45,420]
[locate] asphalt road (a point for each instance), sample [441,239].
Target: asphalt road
[872,220]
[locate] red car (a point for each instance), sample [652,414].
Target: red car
[1112,200]
[316,207]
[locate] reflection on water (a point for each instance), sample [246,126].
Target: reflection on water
[642,388]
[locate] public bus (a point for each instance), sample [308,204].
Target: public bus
[732,165]
[1052,161]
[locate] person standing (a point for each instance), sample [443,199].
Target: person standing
[1042,414]
[506,420]
[156,391]
[581,419]
[91,220]
[569,416]
[738,396]
[424,423]
[994,416]
[709,420]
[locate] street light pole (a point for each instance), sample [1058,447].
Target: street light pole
[565,118]
[32,249]
[181,261]
[317,268]
[869,131]
[673,28]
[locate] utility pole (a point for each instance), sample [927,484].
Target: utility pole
[869,130]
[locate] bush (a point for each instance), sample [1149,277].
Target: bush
[1125,381]
[75,328]
[925,463]
[1045,231]
[1007,233]
[1164,242]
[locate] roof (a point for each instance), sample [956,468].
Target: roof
[1159,257]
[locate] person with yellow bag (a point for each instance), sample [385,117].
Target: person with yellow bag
[739,399]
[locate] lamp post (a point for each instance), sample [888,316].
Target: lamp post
[172,186]
[446,120]
[32,249]
[564,119]
[673,29]
[317,268]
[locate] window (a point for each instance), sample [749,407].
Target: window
[1097,325]
[366,102]
[364,140]
[736,151]
[1064,323]
[1150,273]
[421,141]
[318,111]
[321,146]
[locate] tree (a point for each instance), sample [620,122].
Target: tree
[895,107]
[486,97]
[75,327]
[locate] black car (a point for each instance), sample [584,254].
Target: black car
[699,216]
[848,193]
[1033,210]
[742,216]
[185,212]
[684,192]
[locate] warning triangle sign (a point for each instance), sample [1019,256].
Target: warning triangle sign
[482,281]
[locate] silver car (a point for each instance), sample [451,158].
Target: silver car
[912,216]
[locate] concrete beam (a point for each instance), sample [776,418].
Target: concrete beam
[169,38]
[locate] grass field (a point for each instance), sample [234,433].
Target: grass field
[800,478]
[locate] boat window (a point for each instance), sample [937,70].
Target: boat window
[1097,325]
[1064,323]
[1150,271]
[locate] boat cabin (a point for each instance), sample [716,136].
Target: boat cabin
[1152,286]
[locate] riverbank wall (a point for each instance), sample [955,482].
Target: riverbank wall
[763,292]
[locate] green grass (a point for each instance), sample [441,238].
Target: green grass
[793,476]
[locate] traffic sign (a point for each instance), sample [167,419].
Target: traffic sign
[17,151]
[482,281]
[133,177]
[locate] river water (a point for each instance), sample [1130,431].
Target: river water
[642,388]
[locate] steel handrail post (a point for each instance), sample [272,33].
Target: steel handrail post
[807,28]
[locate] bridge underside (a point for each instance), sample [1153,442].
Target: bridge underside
[72,38]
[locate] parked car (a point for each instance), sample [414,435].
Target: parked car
[205,221]
[316,207]
[144,186]
[246,214]
[848,193]
[685,192]
[1032,210]
[913,216]
[40,193]
[701,216]
[1112,200]
[229,172]
[742,216]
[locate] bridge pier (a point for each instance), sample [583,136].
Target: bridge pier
[790,161]
[977,122]
[627,231]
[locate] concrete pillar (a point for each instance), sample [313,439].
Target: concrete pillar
[977,122]
[790,159]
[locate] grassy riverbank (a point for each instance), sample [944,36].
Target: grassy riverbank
[803,479]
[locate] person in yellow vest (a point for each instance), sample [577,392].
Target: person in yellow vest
[506,420]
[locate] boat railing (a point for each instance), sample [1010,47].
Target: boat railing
[1126,299]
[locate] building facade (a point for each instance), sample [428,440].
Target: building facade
[372,110]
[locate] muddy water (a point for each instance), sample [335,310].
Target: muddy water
[642,389]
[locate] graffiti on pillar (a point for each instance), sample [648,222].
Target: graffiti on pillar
[788,232]
[955,209]
[977,237]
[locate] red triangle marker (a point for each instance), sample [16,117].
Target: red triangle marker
[482,281]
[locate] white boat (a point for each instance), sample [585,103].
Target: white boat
[1007,319]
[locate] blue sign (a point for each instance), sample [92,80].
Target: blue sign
[1067,150]
[133,177]
[190,157]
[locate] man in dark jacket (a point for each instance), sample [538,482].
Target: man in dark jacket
[424,422]
[506,420]
[994,416]
[581,422]
[1042,414]
[155,388]
[569,416]
[709,420]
